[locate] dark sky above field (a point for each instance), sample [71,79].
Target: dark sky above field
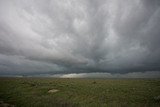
[79,36]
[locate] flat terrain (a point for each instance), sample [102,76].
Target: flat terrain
[50,92]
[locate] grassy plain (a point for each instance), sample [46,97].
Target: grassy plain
[33,92]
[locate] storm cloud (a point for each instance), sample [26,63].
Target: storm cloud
[79,36]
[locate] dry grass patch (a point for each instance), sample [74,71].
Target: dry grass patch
[53,91]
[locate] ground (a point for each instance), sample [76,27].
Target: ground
[51,92]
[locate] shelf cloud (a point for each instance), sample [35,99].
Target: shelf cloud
[79,36]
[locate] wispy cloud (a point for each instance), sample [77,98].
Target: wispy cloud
[148,74]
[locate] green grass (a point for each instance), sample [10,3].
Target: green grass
[33,92]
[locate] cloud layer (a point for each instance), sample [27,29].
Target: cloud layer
[77,36]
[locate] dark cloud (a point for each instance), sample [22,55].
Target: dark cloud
[61,36]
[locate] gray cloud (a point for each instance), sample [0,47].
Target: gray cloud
[79,36]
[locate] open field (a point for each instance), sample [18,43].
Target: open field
[49,92]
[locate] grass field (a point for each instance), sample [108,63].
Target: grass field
[33,92]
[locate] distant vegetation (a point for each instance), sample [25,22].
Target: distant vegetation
[49,92]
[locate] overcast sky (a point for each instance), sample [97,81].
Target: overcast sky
[79,36]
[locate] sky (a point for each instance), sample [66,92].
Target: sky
[80,37]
